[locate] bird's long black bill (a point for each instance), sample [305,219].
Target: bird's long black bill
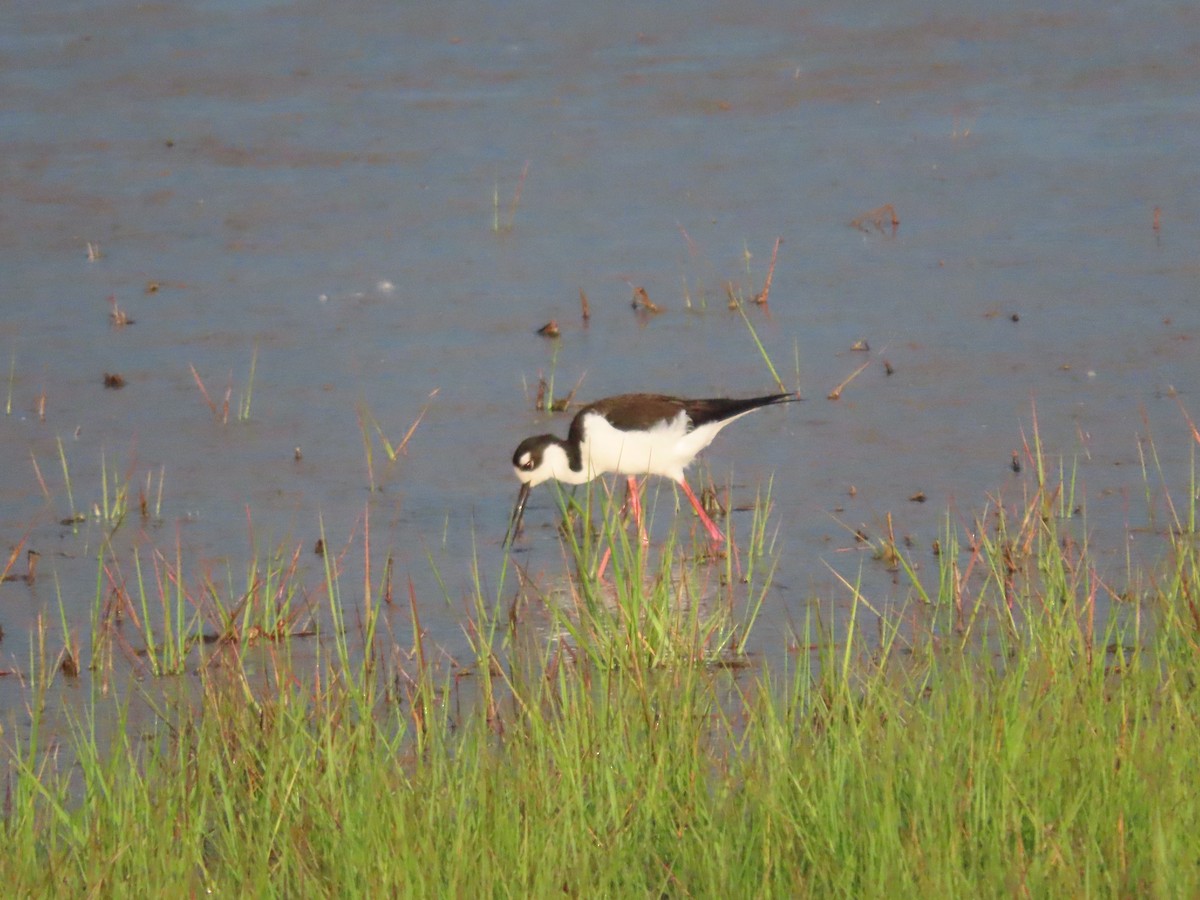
[514,523]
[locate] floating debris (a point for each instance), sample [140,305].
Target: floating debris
[550,329]
[118,316]
[545,402]
[114,381]
[877,217]
[69,666]
[31,562]
[641,300]
[734,302]
[711,503]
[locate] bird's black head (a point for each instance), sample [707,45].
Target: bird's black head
[528,465]
[529,454]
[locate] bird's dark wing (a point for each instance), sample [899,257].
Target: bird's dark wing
[631,412]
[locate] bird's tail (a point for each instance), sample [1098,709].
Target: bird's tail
[704,411]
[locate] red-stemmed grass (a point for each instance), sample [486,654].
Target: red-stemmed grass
[220,411]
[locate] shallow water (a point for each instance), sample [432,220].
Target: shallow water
[314,188]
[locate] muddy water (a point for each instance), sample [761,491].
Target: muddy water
[333,195]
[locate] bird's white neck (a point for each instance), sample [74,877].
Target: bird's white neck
[557,465]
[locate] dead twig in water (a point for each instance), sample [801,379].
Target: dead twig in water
[836,393]
[393,452]
[221,415]
[761,299]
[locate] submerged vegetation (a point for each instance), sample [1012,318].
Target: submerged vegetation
[1022,726]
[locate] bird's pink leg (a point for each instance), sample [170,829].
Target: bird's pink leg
[635,502]
[713,531]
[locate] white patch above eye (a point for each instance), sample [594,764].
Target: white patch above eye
[525,460]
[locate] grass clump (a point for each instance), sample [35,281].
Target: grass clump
[1014,741]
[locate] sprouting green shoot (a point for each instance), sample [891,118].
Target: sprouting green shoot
[62,456]
[12,375]
[244,404]
[497,226]
[741,308]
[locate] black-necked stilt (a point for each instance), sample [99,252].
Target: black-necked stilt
[631,435]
